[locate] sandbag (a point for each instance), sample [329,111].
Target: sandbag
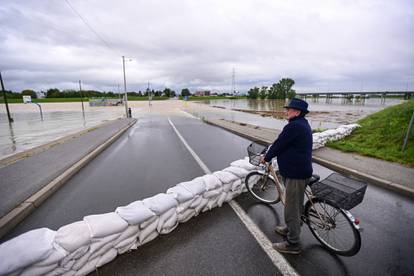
[74,255]
[132,230]
[169,225]
[165,217]
[148,230]
[244,164]
[135,212]
[181,194]
[26,249]
[212,182]
[148,222]
[79,263]
[236,185]
[103,225]
[240,172]
[88,267]
[73,236]
[102,245]
[60,271]
[150,237]
[195,202]
[107,257]
[185,205]
[185,216]
[57,254]
[160,203]
[197,186]
[129,241]
[225,177]
[35,270]
[202,205]
[213,193]
[221,199]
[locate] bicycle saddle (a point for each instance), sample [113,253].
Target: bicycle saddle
[314,178]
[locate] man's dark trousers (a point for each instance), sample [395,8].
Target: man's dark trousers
[295,193]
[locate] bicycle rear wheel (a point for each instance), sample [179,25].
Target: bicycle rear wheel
[262,187]
[332,227]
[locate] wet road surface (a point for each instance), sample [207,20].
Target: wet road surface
[150,158]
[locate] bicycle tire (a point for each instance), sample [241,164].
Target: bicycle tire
[336,219]
[268,193]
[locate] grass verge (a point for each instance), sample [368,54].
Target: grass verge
[382,135]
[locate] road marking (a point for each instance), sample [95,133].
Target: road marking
[189,114]
[277,259]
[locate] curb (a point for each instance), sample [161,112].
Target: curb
[15,216]
[337,167]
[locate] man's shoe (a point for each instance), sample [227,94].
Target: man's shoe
[281,230]
[286,247]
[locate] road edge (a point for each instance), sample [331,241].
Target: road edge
[337,167]
[17,214]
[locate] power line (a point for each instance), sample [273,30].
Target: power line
[89,26]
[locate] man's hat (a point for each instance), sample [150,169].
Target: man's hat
[298,104]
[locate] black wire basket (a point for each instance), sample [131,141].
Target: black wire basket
[344,192]
[255,151]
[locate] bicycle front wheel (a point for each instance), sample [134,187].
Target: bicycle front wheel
[262,187]
[332,227]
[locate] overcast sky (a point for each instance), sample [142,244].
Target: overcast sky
[322,45]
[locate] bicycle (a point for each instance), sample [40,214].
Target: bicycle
[334,227]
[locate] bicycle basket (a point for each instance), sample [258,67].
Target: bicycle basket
[255,150]
[344,192]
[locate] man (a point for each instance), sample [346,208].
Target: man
[293,149]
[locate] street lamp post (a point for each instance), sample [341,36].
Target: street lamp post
[81,94]
[125,90]
[5,100]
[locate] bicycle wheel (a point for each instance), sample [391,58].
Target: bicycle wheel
[332,227]
[262,187]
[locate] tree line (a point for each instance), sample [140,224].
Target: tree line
[281,90]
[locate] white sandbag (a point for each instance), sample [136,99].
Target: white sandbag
[169,225]
[129,241]
[73,236]
[160,203]
[185,216]
[132,230]
[69,273]
[197,186]
[68,265]
[103,225]
[202,205]
[212,182]
[240,172]
[148,230]
[74,255]
[125,249]
[79,263]
[221,199]
[213,193]
[107,257]
[227,187]
[26,249]
[97,249]
[148,222]
[244,164]
[165,217]
[60,271]
[195,202]
[150,237]
[184,206]
[230,196]
[225,177]
[88,267]
[236,185]
[212,203]
[181,194]
[35,270]
[135,212]
[58,254]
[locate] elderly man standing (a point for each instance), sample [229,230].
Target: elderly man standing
[293,149]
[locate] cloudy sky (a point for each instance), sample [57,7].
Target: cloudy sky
[322,45]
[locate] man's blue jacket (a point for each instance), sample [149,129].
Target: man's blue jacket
[293,149]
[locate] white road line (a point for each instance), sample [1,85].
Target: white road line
[189,114]
[278,260]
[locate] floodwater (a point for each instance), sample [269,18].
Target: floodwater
[322,114]
[59,120]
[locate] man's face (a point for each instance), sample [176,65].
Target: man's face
[292,113]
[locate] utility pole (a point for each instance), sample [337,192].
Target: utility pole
[149,94]
[5,100]
[233,82]
[125,89]
[81,94]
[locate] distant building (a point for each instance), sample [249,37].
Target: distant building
[202,93]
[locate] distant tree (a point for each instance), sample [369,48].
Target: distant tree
[272,94]
[167,92]
[253,93]
[53,93]
[29,92]
[284,88]
[263,92]
[185,92]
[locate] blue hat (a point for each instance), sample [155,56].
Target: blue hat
[298,104]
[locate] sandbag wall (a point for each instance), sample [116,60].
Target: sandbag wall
[81,247]
[321,138]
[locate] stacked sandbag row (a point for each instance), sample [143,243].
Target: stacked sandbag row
[321,138]
[81,247]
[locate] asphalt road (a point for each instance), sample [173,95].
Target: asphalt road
[149,158]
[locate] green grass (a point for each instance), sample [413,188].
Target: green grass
[382,135]
[205,98]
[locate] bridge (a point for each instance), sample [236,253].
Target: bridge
[359,96]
